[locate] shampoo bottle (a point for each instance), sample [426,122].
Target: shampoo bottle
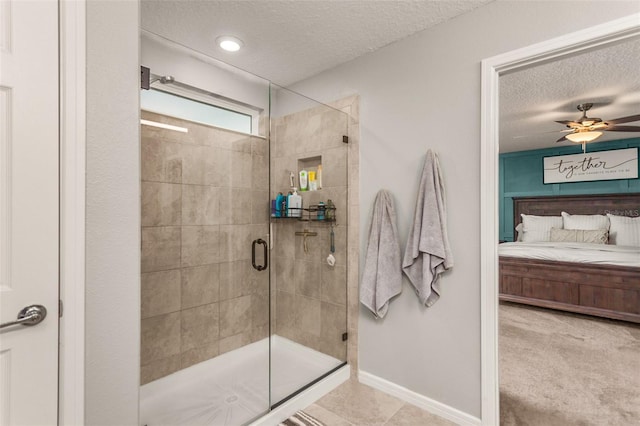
[319,177]
[295,204]
[304,180]
[279,199]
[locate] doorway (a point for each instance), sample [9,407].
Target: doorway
[492,68]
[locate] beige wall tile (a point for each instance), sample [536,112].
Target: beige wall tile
[241,173]
[236,341]
[160,292]
[161,204]
[161,161]
[157,369]
[260,206]
[259,332]
[285,279]
[284,240]
[280,168]
[235,243]
[235,279]
[333,284]
[285,313]
[196,355]
[334,167]
[235,316]
[200,326]
[333,324]
[260,172]
[259,310]
[200,285]
[307,278]
[239,206]
[160,337]
[218,167]
[160,248]
[259,146]
[200,245]
[201,205]
[308,315]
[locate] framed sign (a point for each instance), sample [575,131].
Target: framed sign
[592,166]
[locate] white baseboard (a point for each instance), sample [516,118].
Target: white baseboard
[305,398]
[421,401]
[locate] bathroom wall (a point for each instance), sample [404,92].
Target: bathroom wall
[204,200]
[311,296]
[419,93]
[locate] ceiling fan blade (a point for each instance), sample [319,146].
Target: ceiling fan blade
[562,139]
[628,119]
[623,129]
[569,123]
[543,133]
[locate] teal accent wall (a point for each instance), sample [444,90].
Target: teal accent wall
[521,176]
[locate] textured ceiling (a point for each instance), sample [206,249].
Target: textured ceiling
[289,40]
[532,99]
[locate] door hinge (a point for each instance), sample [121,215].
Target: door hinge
[345,139]
[60,308]
[145,77]
[345,336]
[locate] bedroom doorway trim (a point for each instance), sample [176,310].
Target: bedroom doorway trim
[580,41]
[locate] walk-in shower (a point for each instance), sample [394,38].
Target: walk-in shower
[239,312]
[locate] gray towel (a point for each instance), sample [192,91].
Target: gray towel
[382,274]
[427,253]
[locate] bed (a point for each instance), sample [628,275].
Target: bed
[582,282]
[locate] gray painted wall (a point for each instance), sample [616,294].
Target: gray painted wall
[112,214]
[424,92]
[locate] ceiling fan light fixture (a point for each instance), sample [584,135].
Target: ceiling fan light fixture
[583,137]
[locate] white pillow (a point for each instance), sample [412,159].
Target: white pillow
[624,231]
[519,232]
[538,228]
[587,222]
[592,236]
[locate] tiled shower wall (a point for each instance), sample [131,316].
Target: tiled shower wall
[204,200]
[311,296]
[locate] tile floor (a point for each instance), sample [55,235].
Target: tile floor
[355,404]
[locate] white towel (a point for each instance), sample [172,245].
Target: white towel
[382,274]
[427,254]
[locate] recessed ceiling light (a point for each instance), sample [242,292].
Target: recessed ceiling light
[229,43]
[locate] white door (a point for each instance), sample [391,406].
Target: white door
[29,209]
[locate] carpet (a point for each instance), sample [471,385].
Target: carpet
[567,369]
[301,418]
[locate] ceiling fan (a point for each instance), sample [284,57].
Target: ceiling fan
[587,129]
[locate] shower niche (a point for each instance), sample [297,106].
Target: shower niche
[223,342]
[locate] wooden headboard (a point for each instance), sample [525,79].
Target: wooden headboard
[617,204]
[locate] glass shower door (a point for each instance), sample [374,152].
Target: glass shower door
[205,223]
[309,257]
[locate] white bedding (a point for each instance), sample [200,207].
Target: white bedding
[574,252]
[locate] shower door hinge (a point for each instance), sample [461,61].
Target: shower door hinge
[345,139]
[145,77]
[345,336]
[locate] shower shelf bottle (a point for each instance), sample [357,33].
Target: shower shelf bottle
[294,202]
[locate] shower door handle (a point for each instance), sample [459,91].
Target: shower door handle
[253,254]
